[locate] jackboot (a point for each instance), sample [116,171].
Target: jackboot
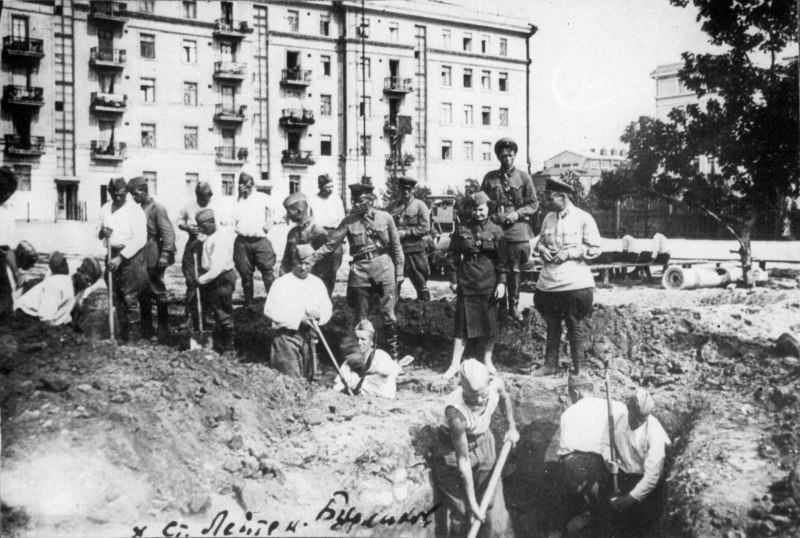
[248,292]
[162,312]
[146,320]
[424,295]
[392,344]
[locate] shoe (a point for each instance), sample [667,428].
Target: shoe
[515,314]
[545,370]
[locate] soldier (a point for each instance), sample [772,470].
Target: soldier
[413,221]
[191,252]
[513,203]
[22,258]
[376,267]
[124,227]
[328,212]
[477,274]
[252,249]
[305,231]
[159,253]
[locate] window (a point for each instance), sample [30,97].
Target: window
[23,172]
[294,184]
[190,137]
[447,76]
[189,9]
[486,115]
[485,44]
[447,147]
[394,32]
[190,51]
[325,145]
[326,65]
[467,77]
[366,145]
[324,24]
[148,135]
[503,46]
[147,6]
[190,93]
[446,38]
[147,46]
[366,65]
[147,90]
[468,115]
[325,105]
[227,184]
[152,182]
[467,42]
[293,20]
[447,113]
[486,80]
[502,82]
[503,117]
[192,179]
[365,107]
[19,27]
[486,151]
[468,150]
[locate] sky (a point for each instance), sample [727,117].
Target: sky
[591,65]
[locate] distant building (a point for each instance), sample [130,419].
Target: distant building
[190,90]
[588,166]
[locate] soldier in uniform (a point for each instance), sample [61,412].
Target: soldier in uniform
[477,275]
[413,220]
[376,266]
[159,253]
[512,203]
[305,231]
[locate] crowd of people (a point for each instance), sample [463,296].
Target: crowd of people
[483,261]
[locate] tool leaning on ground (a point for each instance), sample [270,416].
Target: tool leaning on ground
[612,442]
[199,339]
[110,293]
[330,354]
[493,480]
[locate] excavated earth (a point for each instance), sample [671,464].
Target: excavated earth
[154,439]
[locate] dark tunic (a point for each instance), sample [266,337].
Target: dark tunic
[511,191]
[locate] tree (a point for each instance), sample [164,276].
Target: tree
[748,125]
[393,192]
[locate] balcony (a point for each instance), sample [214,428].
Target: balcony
[230,113]
[227,29]
[110,103]
[24,145]
[296,117]
[109,151]
[114,12]
[400,125]
[22,50]
[231,155]
[295,77]
[230,70]
[296,158]
[22,98]
[107,58]
[397,86]
[394,161]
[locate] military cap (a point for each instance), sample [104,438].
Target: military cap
[357,189]
[91,268]
[244,177]
[505,143]
[26,255]
[365,326]
[204,215]
[8,179]
[294,199]
[580,379]
[117,184]
[479,198]
[303,252]
[407,182]
[137,182]
[556,185]
[58,264]
[203,187]
[324,179]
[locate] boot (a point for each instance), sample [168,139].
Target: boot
[393,347]
[146,320]
[513,310]
[513,296]
[424,295]
[163,320]
[248,292]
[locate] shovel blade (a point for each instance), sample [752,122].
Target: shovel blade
[200,341]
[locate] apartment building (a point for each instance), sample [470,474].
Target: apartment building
[183,91]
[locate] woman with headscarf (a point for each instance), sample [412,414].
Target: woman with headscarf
[641,454]
[465,455]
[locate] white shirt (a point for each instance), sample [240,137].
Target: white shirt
[584,426]
[8,226]
[51,300]
[627,243]
[380,380]
[290,298]
[128,225]
[642,451]
[328,212]
[253,214]
[189,212]
[660,244]
[575,230]
[217,254]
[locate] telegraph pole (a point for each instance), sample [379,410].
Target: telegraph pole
[363,107]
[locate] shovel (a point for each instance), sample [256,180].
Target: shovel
[333,359]
[110,293]
[489,493]
[199,339]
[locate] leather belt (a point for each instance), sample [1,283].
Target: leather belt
[361,256]
[472,256]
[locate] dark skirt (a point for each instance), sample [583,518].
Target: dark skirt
[476,316]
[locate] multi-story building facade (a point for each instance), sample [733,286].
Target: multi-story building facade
[189,90]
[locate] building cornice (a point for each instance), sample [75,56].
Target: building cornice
[476,56]
[141,15]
